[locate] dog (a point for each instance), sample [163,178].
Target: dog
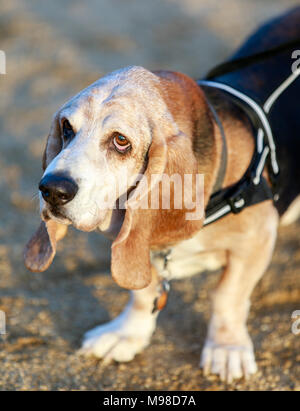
[136,122]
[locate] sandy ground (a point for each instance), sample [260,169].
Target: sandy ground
[53,50]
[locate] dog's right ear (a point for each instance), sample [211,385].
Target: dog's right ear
[41,248]
[54,142]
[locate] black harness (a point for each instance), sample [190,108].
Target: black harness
[252,188]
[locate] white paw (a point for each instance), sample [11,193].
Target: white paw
[120,339]
[229,362]
[113,346]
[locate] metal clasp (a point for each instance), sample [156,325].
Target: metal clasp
[164,287]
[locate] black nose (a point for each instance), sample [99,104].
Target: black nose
[57,190]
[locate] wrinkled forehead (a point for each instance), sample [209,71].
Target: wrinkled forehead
[129,90]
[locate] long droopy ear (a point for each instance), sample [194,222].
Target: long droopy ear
[130,263]
[41,248]
[169,153]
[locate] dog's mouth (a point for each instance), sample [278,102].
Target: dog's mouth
[54,213]
[109,223]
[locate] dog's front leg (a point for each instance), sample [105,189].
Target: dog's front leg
[129,333]
[228,350]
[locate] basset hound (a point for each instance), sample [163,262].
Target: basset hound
[134,122]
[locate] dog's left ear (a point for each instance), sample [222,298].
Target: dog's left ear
[130,262]
[41,248]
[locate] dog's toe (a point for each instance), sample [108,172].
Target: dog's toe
[229,362]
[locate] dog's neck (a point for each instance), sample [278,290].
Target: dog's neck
[188,106]
[238,135]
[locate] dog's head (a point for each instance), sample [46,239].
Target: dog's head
[130,123]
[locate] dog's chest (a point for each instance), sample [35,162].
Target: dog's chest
[188,258]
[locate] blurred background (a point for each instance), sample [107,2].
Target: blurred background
[53,50]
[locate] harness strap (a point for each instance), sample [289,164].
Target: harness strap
[252,188]
[236,198]
[223,164]
[247,103]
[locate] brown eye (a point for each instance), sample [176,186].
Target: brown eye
[121,143]
[68,131]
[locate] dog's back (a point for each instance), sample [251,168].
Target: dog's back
[260,79]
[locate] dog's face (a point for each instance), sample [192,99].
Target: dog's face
[97,146]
